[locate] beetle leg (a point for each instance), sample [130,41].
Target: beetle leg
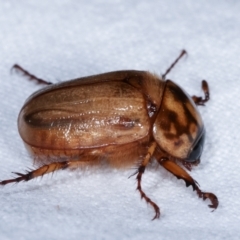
[140,172]
[24,72]
[174,63]
[49,168]
[200,100]
[180,173]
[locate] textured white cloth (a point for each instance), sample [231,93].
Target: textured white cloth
[61,40]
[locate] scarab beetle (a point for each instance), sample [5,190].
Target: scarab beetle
[122,118]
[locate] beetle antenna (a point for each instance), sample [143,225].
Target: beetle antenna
[174,63]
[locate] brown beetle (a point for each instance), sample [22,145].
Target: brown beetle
[123,118]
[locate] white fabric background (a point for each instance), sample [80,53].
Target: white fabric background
[61,40]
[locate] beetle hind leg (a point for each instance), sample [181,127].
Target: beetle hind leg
[180,173]
[52,167]
[30,76]
[49,168]
[199,100]
[139,173]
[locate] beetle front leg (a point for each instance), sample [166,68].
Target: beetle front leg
[30,76]
[200,100]
[180,173]
[49,168]
[140,172]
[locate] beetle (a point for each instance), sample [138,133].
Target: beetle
[122,118]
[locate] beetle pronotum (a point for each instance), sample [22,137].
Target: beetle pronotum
[122,118]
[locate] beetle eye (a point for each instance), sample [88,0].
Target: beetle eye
[197,149]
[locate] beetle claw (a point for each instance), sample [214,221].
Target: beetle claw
[157,214]
[212,197]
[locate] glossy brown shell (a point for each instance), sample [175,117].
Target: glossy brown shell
[92,114]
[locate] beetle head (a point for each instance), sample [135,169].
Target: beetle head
[178,128]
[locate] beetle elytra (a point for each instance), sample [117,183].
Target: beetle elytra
[122,118]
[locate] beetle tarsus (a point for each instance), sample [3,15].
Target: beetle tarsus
[140,172]
[22,177]
[52,167]
[199,100]
[30,76]
[147,199]
[183,52]
[212,197]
